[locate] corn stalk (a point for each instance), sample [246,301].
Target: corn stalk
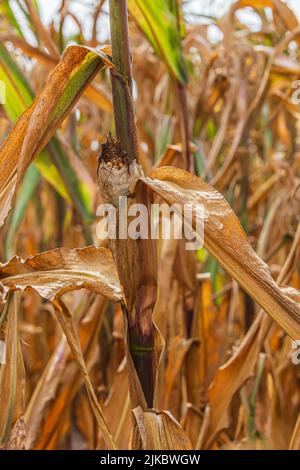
[135,259]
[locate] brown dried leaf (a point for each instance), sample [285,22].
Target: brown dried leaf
[230,377]
[157,430]
[12,376]
[178,350]
[18,436]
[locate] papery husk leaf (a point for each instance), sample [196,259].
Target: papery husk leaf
[55,272]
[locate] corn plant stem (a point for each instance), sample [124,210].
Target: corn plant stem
[121,79]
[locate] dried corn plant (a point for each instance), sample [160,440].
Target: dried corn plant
[139,343]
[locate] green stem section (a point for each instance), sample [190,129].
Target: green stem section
[121,79]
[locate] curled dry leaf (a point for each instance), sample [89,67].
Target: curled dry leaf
[12,381]
[55,272]
[225,239]
[38,123]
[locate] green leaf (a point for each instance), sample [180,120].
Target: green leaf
[176,7]
[38,123]
[19,96]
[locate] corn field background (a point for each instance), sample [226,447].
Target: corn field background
[141,344]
